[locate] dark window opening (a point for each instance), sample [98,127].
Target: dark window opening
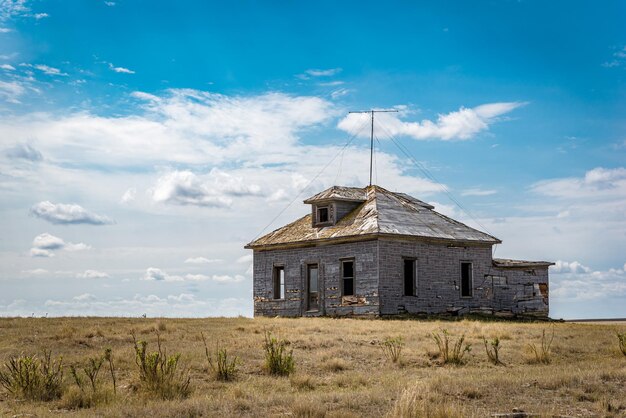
[347,275]
[279,282]
[409,278]
[322,214]
[312,286]
[466,279]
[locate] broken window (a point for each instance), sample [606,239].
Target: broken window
[347,277]
[322,214]
[279,282]
[409,277]
[466,279]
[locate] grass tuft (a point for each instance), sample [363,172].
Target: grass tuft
[621,341]
[542,354]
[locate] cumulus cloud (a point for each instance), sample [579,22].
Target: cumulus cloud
[92,274]
[45,244]
[24,152]
[60,213]
[215,190]
[600,189]
[155,274]
[462,124]
[85,297]
[174,305]
[573,281]
[129,195]
[7,67]
[201,260]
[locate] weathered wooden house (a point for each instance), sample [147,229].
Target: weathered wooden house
[369,251]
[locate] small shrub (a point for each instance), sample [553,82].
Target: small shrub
[108,356]
[454,354]
[542,354]
[223,367]
[159,374]
[161,326]
[392,348]
[304,408]
[91,370]
[33,378]
[621,341]
[493,350]
[278,360]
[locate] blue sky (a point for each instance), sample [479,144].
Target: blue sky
[144,143]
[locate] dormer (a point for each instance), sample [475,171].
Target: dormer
[329,206]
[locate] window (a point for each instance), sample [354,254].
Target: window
[322,214]
[347,277]
[409,277]
[312,286]
[466,279]
[279,282]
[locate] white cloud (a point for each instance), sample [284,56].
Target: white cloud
[339,93]
[44,245]
[7,67]
[331,83]
[201,260]
[120,69]
[49,70]
[40,15]
[572,281]
[129,195]
[11,91]
[60,213]
[110,3]
[323,73]
[478,192]
[85,297]
[5,30]
[155,274]
[462,124]
[47,241]
[12,8]
[214,190]
[92,274]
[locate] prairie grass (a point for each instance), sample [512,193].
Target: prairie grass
[341,370]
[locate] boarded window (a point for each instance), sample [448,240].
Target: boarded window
[347,276]
[409,277]
[279,282]
[466,279]
[322,214]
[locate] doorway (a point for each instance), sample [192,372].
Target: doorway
[312,275]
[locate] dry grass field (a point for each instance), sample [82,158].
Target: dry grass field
[341,369]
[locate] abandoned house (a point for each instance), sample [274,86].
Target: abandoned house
[369,251]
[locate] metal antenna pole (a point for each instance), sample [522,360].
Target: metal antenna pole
[372,111]
[371,147]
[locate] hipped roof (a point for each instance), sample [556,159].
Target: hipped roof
[379,213]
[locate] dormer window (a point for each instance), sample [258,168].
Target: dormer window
[322,214]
